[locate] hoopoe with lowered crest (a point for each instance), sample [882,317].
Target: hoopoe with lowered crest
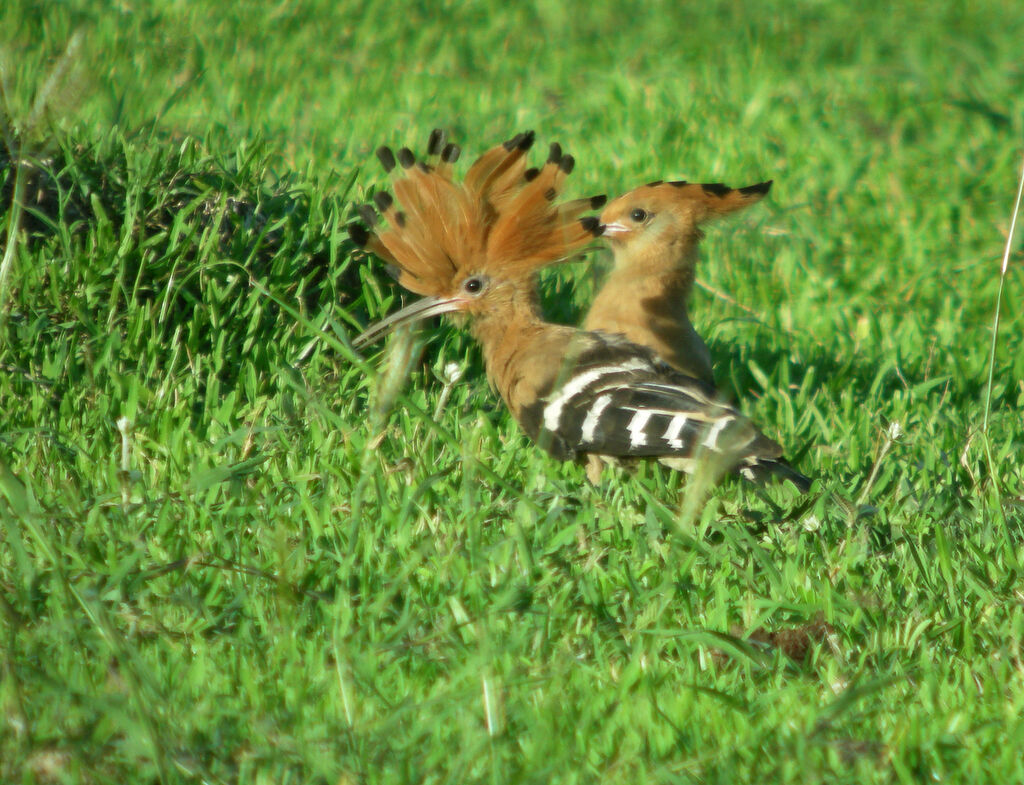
[474,247]
[654,232]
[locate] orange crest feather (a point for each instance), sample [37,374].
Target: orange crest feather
[501,219]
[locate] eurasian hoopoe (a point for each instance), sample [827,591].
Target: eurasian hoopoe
[654,232]
[474,248]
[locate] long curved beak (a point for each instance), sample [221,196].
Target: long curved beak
[421,309]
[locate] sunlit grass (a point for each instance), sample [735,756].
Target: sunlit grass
[221,560]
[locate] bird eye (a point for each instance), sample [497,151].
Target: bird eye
[473,285]
[639,215]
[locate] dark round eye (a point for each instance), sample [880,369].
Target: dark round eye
[639,215]
[473,285]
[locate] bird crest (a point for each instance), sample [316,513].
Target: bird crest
[676,206]
[500,219]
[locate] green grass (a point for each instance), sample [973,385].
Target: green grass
[220,561]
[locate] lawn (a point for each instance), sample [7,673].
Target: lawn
[233,551]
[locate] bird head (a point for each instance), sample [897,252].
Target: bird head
[656,213]
[466,245]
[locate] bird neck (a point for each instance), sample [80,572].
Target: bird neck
[665,269]
[516,308]
[522,353]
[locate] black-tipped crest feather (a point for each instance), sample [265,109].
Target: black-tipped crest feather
[358,234]
[386,157]
[367,213]
[716,189]
[435,142]
[758,189]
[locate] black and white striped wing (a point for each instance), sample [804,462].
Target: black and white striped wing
[619,400]
[637,411]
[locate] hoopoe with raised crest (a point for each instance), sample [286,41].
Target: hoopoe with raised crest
[474,247]
[654,232]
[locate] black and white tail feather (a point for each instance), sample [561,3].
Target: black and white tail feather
[619,400]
